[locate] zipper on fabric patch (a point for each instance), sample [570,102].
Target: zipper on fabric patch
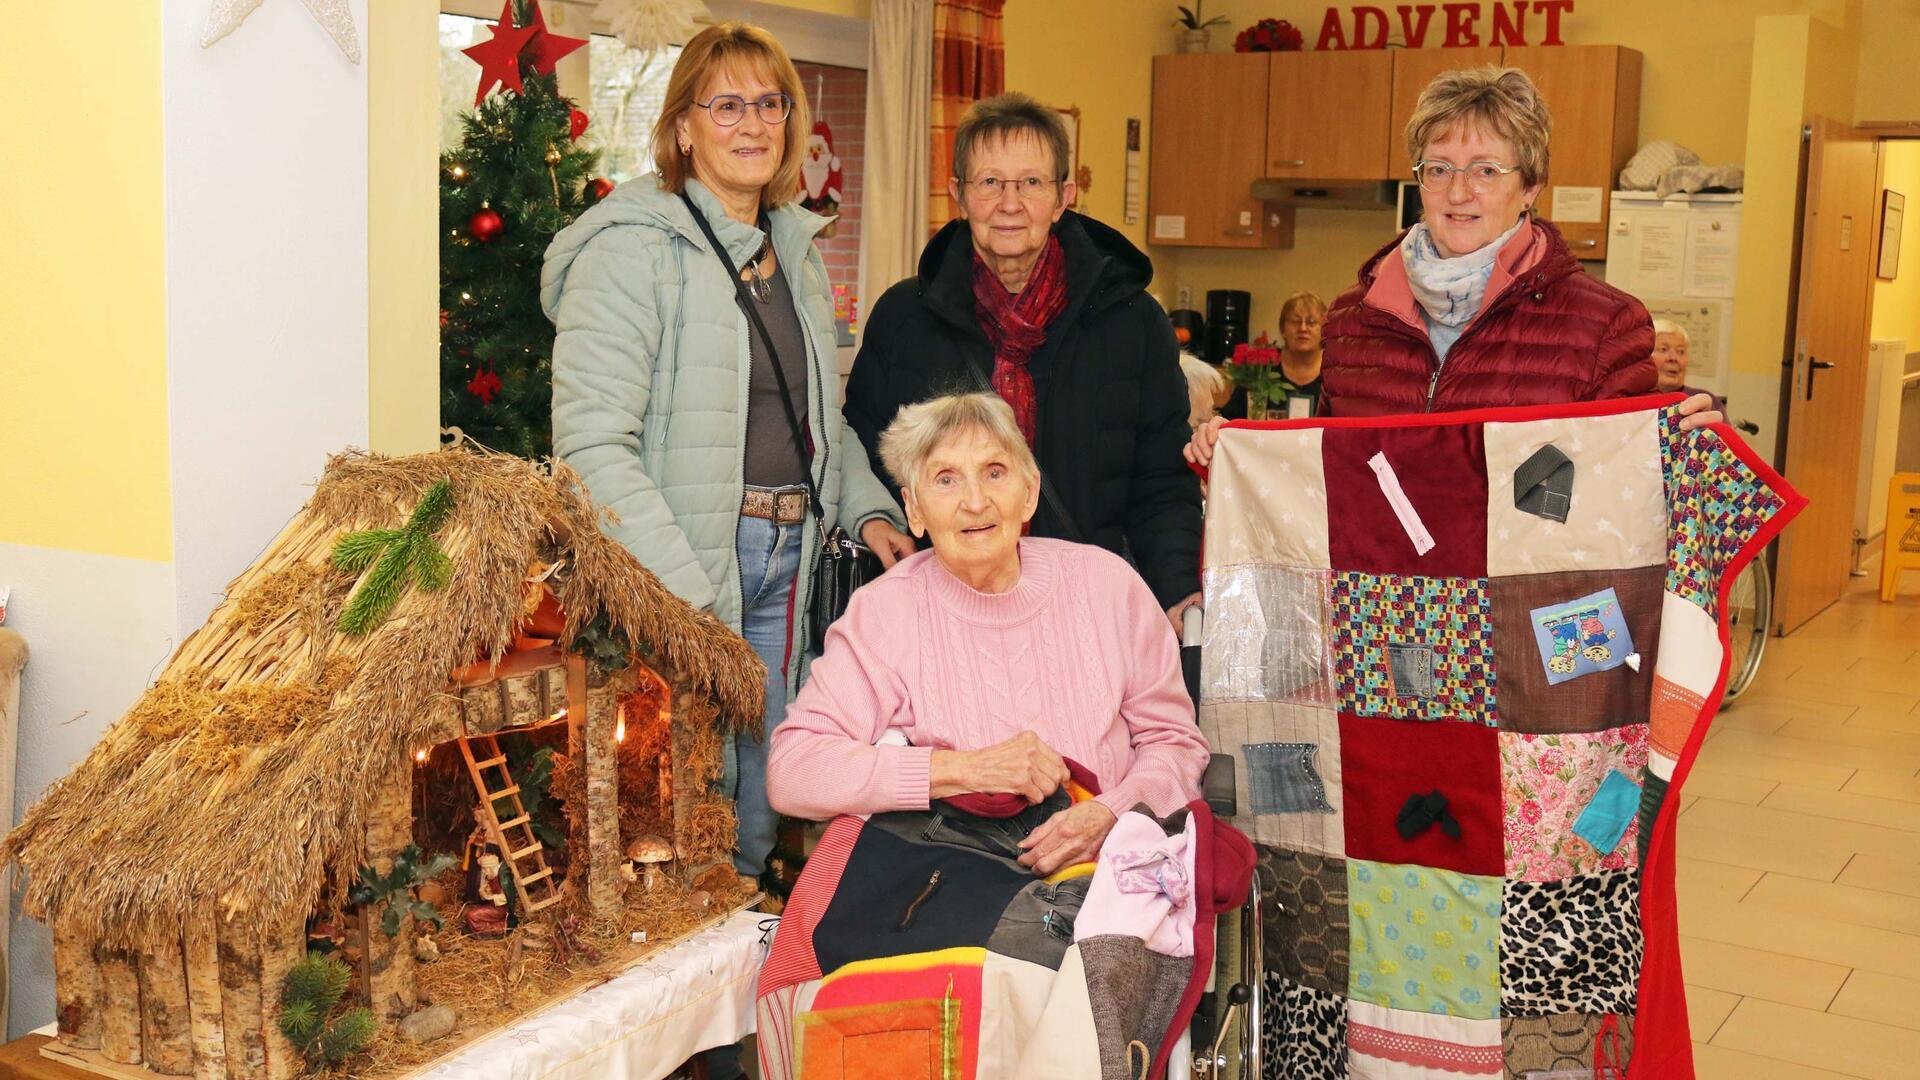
[1433,385]
[926,891]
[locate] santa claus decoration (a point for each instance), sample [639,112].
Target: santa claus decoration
[820,177]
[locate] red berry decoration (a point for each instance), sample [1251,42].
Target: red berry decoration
[599,188]
[576,123]
[485,225]
[485,385]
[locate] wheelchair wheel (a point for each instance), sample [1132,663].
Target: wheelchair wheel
[1749,614]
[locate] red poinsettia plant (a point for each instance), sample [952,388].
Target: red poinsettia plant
[1269,35]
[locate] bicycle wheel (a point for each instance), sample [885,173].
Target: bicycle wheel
[1749,611]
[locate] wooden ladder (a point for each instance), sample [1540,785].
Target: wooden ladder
[514,837]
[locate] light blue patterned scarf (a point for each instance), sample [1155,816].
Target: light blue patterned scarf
[1449,291]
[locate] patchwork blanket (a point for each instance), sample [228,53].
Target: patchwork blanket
[1461,664]
[916,946]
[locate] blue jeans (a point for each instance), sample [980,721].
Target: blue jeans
[769,565]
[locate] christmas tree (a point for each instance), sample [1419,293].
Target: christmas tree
[517,177]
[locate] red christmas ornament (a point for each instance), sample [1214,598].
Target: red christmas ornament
[499,56]
[485,225]
[576,124]
[599,188]
[484,385]
[545,48]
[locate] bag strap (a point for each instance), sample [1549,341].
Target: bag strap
[748,305]
[1047,491]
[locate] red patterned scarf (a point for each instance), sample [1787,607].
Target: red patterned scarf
[1016,325]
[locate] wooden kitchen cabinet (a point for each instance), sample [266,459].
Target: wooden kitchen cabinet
[1413,69]
[1208,147]
[1327,115]
[1593,92]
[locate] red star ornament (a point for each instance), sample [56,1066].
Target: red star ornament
[484,385]
[547,48]
[499,56]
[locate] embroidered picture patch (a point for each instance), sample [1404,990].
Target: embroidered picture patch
[1581,636]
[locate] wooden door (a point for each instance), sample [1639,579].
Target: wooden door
[1593,92]
[1413,69]
[1328,114]
[1208,111]
[1827,388]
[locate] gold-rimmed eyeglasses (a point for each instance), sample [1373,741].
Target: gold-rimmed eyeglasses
[989,189]
[1481,175]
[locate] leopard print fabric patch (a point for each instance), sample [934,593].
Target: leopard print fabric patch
[1571,946]
[1303,1033]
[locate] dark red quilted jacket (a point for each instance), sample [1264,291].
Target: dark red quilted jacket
[1555,334]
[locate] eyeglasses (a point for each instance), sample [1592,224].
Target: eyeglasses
[988,189]
[729,109]
[1481,175]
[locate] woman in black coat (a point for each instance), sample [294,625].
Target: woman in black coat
[1049,309]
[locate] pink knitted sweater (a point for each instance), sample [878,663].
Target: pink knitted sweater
[1078,652]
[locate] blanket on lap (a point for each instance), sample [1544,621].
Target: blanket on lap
[916,946]
[1462,663]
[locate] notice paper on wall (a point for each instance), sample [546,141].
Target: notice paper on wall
[1576,205]
[1713,245]
[1136,173]
[1169,226]
[1651,249]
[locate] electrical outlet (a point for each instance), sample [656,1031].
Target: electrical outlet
[1183,297]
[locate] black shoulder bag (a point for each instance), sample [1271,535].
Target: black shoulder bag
[843,564]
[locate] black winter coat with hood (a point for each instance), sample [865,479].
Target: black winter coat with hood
[1112,401]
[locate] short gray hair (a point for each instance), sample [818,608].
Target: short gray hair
[921,427]
[1668,326]
[1004,116]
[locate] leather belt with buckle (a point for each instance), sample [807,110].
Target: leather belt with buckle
[784,507]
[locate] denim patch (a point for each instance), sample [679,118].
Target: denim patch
[1283,779]
[1412,669]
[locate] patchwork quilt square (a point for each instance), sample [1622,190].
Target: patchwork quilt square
[1530,699]
[1265,635]
[1386,486]
[1280,495]
[1565,1042]
[1572,945]
[1388,763]
[1549,782]
[1232,727]
[1616,514]
[1715,504]
[1414,648]
[1304,920]
[1424,940]
[1395,1043]
[1303,1031]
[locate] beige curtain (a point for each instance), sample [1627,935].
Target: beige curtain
[893,222]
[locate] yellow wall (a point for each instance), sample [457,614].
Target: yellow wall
[83,367]
[1896,303]
[1696,90]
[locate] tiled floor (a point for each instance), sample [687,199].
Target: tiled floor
[1799,859]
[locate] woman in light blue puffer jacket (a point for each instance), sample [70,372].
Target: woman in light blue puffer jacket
[666,402]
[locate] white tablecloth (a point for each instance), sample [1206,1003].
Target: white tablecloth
[639,1026]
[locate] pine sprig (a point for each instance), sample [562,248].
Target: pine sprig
[407,555]
[308,996]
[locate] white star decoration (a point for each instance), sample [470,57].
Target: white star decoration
[651,26]
[225,16]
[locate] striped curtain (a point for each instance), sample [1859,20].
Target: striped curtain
[969,63]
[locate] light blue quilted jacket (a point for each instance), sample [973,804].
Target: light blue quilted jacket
[649,374]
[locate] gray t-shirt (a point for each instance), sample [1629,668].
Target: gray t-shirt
[772,458]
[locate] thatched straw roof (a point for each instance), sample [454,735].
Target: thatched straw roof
[244,776]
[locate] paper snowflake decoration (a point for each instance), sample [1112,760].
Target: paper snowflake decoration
[650,26]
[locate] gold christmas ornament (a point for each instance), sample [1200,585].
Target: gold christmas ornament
[553,156]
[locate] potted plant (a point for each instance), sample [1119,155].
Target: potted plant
[1196,32]
[1255,368]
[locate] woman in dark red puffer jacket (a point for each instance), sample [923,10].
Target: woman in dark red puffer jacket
[1479,305]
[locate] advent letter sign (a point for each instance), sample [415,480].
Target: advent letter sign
[1506,24]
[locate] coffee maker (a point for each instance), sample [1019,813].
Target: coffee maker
[1226,323]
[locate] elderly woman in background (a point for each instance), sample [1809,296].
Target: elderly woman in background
[667,402]
[985,663]
[1480,304]
[1050,309]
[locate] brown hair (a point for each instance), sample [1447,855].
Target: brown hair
[1502,99]
[1300,300]
[738,45]
[1002,117]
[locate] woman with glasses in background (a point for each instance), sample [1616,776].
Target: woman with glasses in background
[668,402]
[1480,304]
[1049,309]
